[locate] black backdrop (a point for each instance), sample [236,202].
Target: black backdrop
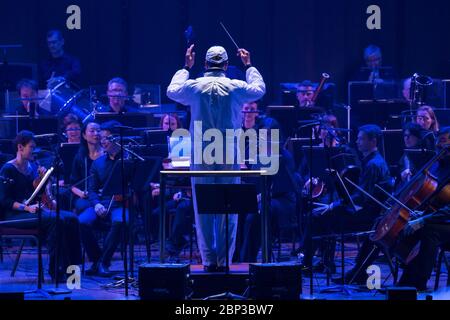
[143,41]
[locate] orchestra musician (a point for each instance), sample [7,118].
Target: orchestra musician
[117,97]
[413,135]
[59,66]
[431,229]
[89,151]
[374,71]
[72,129]
[329,136]
[329,218]
[427,119]
[23,175]
[170,122]
[28,91]
[305,93]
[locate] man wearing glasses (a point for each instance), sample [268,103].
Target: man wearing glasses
[117,97]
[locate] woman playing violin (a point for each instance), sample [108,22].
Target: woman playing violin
[21,176]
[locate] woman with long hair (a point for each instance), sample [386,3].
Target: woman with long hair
[90,150]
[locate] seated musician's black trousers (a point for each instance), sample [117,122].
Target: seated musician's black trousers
[419,271]
[67,239]
[339,220]
[90,221]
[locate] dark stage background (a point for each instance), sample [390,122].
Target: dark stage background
[143,41]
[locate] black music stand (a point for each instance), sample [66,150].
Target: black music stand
[144,172]
[38,196]
[67,152]
[344,194]
[226,199]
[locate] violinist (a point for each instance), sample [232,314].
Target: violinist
[22,175]
[432,229]
[327,133]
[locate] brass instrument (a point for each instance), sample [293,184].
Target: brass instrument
[325,77]
[419,85]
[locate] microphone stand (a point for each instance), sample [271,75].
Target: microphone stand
[310,201]
[124,215]
[56,164]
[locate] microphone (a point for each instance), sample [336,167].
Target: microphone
[47,135]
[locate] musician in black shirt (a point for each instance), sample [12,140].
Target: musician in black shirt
[117,97]
[59,66]
[340,216]
[90,150]
[28,92]
[21,175]
[432,230]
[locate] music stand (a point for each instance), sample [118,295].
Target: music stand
[37,195]
[144,172]
[344,194]
[67,152]
[226,199]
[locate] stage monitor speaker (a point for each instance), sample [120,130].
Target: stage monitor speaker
[164,281]
[401,294]
[275,281]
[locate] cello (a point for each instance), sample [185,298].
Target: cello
[420,194]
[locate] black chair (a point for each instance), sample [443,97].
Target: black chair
[8,231]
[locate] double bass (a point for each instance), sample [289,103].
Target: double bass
[419,195]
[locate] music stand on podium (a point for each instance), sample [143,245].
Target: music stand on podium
[226,199]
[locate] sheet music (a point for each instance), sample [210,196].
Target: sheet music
[40,186]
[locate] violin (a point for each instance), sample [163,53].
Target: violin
[48,199]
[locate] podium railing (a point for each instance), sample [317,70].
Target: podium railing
[249,173]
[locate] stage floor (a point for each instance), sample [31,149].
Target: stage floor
[96,288]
